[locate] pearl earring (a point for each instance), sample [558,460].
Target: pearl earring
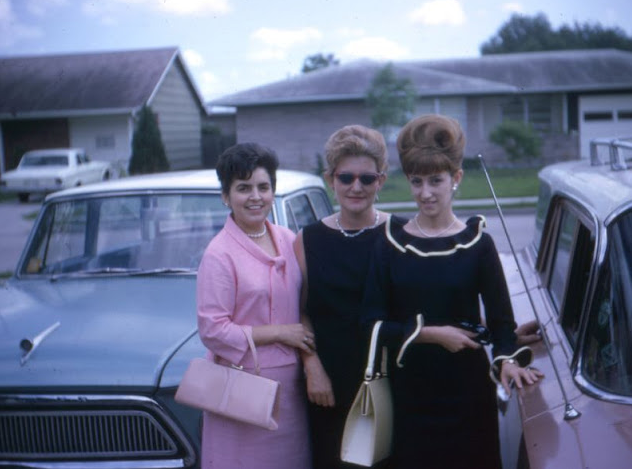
[455,187]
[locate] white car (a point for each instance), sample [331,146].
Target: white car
[45,171]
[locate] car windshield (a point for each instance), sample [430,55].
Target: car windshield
[44,160]
[607,360]
[126,234]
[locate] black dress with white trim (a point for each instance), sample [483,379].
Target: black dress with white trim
[445,406]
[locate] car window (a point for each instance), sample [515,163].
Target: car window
[607,355]
[299,212]
[570,270]
[44,160]
[320,203]
[138,232]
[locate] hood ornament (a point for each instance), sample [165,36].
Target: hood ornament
[30,345]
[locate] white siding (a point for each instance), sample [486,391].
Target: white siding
[180,120]
[104,138]
[603,116]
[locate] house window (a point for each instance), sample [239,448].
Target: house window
[597,116]
[534,110]
[105,141]
[624,115]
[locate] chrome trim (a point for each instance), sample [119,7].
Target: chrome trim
[615,157]
[179,454]
[30,345]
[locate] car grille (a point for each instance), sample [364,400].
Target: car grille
[83,434]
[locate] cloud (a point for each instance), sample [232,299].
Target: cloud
[12,31]
[438,13]
[108,12]
[193,7]
[513,7]
[275,44]
[42,7]
[193,58]
[376,48]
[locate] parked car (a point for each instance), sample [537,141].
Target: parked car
[579,276]
[98,322]
[44,171]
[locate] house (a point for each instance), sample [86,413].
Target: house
[90,100]
[568,96]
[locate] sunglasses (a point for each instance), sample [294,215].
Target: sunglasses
[366,179]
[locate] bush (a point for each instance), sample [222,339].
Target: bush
[148,151]
[519,140]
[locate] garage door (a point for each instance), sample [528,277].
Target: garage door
[604,116]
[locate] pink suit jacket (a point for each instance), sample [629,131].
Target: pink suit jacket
[238,284]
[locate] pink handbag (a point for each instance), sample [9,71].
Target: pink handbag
[231,392]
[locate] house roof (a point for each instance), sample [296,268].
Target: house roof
[84,83]
[532,72]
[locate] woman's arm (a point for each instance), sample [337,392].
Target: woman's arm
[319,388]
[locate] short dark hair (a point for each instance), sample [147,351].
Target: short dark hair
[239,162]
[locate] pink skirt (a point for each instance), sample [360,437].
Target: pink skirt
[228,444]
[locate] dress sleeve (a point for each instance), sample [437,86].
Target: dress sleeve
[216,303]
[496,300]
[377,300]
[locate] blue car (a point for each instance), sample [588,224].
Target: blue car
[98,322]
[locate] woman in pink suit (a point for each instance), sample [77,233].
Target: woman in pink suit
[249,281]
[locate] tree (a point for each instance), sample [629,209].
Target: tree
[391,99]
[526,34]
[519,140]
[148,151]
[318,61]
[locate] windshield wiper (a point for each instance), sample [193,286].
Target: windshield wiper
[100,271]
[164,270]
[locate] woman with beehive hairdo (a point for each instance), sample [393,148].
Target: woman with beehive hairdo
[425,279]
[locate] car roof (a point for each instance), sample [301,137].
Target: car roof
[600,188]
[206,179]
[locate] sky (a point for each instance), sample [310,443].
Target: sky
[233,45]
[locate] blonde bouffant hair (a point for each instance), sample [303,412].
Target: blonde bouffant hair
[431,144]
[356,140]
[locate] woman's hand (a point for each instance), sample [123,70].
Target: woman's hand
[319,389]
[453,339]
[512,373]
[528,333]
[297,336]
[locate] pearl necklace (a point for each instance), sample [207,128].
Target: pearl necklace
[436,235]
[359,232]
[258,235]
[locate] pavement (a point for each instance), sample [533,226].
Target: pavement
[16,220]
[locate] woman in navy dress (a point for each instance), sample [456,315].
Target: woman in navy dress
[334,258]
[426,277]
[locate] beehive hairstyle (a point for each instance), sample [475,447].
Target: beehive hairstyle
[431,144]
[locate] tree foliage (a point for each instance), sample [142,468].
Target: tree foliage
[148,151]
[534,33]
[391,99]
[519,140]
[318,61]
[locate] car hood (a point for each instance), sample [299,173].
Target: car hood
[113,331]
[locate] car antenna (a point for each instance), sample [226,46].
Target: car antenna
[570,413]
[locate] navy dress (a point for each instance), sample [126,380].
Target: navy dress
[336,273]
[444,402]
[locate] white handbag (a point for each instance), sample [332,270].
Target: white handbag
[368,429]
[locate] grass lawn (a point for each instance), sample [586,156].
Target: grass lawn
[508,182]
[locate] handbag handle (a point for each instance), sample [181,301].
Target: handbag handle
[253,349]
[368,373]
